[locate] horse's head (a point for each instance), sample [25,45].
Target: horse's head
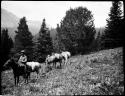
[9,63]
[47,59]
[48,56]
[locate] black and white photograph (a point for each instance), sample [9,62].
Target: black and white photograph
[62,48]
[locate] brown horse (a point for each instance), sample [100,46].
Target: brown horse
[17,70]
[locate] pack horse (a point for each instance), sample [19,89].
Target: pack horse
[57,58]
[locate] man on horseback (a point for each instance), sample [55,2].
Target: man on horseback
[23,58]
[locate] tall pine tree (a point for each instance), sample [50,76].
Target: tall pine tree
[6,45]
[23,39]
[113,33]
[60,44]
[77,30]
[56,44]
[44,43]
[96,45]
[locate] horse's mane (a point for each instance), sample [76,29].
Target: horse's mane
[8,61]
[12,59]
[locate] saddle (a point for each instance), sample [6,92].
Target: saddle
[21,64]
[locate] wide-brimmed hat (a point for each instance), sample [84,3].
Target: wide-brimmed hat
[22,51]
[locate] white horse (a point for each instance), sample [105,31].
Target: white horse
[54,59]
[49,60]
[58,58]
[33,67]
[66,55]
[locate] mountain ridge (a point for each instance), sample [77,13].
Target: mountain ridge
[10,21]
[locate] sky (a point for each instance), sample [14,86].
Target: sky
[54,11]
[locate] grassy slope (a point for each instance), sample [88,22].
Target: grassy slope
[98,73]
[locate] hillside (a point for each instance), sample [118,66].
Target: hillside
[99,73]
[8,19]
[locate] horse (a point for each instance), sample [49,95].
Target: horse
[33,67]
[58,58]
[54,59]
[49,60]
[17,70]
[66,55]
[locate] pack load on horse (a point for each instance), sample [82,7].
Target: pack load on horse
[66,55]
[33,67]
[49,60]
[54,58]
[58,58]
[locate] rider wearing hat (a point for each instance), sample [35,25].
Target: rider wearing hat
[23,58]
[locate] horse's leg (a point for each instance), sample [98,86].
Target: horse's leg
[17,80]
[27,77]
[15,77]
[66,60]
[55,64]
[52,65]
[60,63]
[26,73]
[48,68]
[37,73]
